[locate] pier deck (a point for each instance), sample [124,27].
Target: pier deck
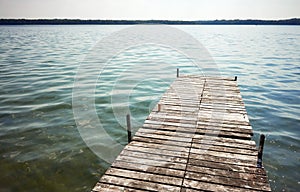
[198,138]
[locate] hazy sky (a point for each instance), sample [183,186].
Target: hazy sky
[151,9]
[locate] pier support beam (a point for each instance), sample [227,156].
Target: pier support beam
[260,151]
[128,127]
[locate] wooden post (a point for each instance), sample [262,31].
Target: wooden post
[235,78]
[177,72]
[128,128]
[158,107]
[260,151]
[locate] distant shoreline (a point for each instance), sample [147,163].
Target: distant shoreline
[294,21]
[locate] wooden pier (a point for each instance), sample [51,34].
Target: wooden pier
[198,138]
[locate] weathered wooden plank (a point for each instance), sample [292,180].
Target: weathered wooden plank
[175,120]
[157,157]
[223,106]
[222,142]
[220,84]
[160,146]
[224,128]
[238,141]
[223,109]
[179,108]
[224,125]
[222,121]
[159,125]
[222,96]
[184,189]
[185,92]
[170,130]
[177,104]
[189,132]
[173,108]
[216,79]
[189,125]
[175,113]
[184,77]
[152,162]
[221,133]
[195,94]
[173,97]
[161,141]
[224,180]
[191,87]
[214,118]
[211,105]
[220,111]
[171,116]
[164,137]
[194,184]
[181,90]
[220,101]
[223,154]
[201,139]
[158,151]
[197,138]
[228,173]
[113,188]
[137,184]
[207,78]
[218,115]
[155,178]
[225,149]
[226,89]
[219,88]
[238,165]
[166,169]
[189,81]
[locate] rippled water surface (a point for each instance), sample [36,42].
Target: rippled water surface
[40,146]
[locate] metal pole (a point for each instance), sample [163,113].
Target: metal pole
[128,128]
[260,151]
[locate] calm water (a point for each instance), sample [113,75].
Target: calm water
[40,146]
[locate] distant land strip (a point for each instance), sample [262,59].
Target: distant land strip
[294,21]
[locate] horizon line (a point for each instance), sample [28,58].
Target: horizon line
[292,21]
[282,19]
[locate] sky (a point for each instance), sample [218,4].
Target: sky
[151,9]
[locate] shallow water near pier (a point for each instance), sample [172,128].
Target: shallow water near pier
[41,148]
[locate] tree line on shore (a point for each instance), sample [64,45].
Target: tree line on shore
[294,21]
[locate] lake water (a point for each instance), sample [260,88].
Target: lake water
[41,148]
